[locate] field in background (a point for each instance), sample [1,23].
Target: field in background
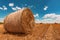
[1,22]
[40,32]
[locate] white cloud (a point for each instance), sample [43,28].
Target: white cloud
[44,21]
[11,4]
[36,15]
[14,8]
[49,18]
[1,8]
[37,21]
[4,8]
[18,8]
[47,21]
[51,15]
[54,17]
[1,19]
[45,8]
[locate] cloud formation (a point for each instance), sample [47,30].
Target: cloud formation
[11,4]
[38,21]
[47,21]
[53,16]
[1,19]
[13,7]
[16,8]
[36,15]
[45,8]
[1,8]
[49,18]
[4,8]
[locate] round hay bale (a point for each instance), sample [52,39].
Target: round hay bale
[21,21]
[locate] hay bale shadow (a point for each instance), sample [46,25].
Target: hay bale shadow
[17,34]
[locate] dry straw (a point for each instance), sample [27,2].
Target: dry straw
[21,21]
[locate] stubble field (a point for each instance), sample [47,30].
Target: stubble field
[39,32]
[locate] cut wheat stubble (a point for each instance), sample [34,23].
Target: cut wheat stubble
[21,21]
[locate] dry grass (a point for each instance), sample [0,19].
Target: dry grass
[38,33]
[21,21]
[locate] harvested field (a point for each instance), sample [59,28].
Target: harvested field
[40,32]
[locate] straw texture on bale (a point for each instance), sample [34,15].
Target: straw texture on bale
[21,21]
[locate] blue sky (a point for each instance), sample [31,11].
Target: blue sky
[40,8]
